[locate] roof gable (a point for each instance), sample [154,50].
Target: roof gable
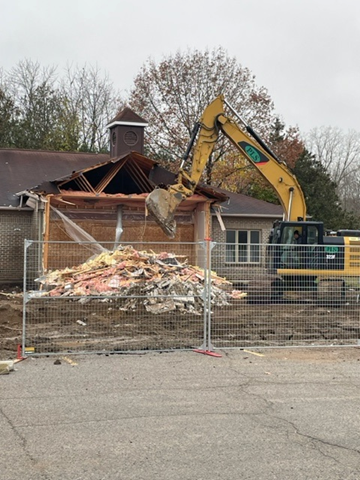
[127,174]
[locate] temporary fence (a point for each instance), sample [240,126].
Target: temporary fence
[83,297]
[296,308]
[89,297]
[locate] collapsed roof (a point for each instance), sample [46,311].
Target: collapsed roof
[84,175]
[90,176]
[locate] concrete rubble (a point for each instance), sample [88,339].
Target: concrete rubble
[159,282]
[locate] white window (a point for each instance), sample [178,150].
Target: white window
[243,246]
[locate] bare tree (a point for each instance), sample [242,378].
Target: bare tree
[172,95]
[337,151]
[8,114]
[41,111]
[36,99]
[92,101]
[26,77]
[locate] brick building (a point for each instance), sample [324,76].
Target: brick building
[242,232]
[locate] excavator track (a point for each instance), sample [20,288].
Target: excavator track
[326,292]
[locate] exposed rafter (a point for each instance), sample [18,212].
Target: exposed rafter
[109,176]
[139,176]
[84,184]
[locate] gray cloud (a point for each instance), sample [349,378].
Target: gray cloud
[305,52]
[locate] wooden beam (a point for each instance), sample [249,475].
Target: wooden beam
[47,232]
[83,183]
[139,177]
[109,176]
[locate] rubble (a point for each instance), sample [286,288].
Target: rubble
[6,366]
[159,282]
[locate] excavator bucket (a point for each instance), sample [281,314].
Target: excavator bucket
[162,205]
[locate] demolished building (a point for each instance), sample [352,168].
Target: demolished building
[104,195]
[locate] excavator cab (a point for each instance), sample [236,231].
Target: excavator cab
[287,250]
[315,264]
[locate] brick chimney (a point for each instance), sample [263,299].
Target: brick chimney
[126,133]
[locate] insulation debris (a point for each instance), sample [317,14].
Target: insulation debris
[159,282]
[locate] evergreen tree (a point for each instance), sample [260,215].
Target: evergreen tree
[323,203]
[8,115]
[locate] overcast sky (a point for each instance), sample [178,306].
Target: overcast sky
[305,52]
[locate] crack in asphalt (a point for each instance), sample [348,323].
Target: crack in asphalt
[23,442]
[313,439]
[270,405]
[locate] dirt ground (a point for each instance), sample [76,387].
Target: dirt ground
[316,355]
[11,308]
[72,327]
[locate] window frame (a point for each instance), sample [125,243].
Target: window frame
[249,247]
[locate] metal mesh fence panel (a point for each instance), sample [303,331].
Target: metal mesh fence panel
[158,296]
[145,296]
[15,226]
[302,306]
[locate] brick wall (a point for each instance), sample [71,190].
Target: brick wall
[264,225]
[16,226]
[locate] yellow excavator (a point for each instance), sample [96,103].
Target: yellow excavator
[163,203]
[315,258]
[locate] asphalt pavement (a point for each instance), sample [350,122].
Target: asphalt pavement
[182,415]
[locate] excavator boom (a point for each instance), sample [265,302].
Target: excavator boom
[162,204]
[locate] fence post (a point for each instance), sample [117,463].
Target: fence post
[27,244]
[206,347]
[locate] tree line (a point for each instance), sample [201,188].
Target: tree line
[41,110]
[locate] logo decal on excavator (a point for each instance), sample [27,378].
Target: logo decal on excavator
[331,249]
[255,155]
[331,252]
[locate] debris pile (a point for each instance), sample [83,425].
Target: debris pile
[160,282]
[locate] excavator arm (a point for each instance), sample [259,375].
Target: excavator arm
[163,203]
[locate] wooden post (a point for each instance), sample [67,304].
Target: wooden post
[47,232]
